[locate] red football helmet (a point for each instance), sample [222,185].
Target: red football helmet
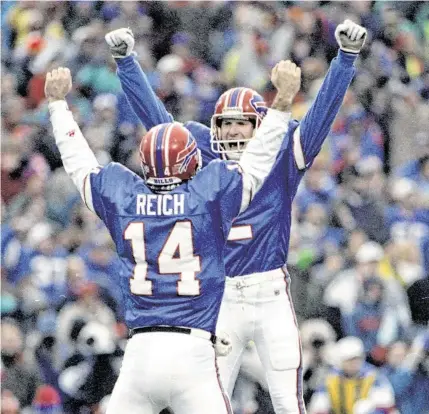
[236,103]
[169,156]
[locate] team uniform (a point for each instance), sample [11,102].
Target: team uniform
[257,304]
[171,248]
[343,394]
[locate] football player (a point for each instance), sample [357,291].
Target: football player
[257,305]
[170,228]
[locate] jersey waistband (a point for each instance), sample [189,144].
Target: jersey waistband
[255,278]
[200,333]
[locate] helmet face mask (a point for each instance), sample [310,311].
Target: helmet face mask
[235,104]
[233,144]
[169,157]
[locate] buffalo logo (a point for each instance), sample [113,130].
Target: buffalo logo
[259,105]
[186,155]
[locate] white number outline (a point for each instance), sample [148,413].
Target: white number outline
[139,285]
[188,284]
[188,281]
[242,228]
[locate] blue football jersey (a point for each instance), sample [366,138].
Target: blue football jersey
[171,246]
[259,238]
[48,272]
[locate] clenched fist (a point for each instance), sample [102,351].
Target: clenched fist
[350,36]
[286,77]
[58,84]
[121,42]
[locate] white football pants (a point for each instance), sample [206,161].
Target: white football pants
[258,308]
[168,369]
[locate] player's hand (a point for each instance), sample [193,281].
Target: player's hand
[350,36]
[58,84]
[121,42]
[223,344]
[286,77]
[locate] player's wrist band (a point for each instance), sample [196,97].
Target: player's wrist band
[188,331]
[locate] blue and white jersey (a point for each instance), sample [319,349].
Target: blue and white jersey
[259,238]
[171,246]
[11,251]
[406,225]
[48,273]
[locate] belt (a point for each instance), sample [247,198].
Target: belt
[257,278]
[200,333]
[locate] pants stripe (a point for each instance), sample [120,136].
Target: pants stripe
[299,385]
[225,397]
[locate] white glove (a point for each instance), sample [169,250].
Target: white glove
[350,36]
[121,42]
[223,344]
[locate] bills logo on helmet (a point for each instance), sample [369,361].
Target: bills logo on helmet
[169,151]
[259,105]
[187,154]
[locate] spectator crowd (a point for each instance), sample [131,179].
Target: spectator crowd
[359,252]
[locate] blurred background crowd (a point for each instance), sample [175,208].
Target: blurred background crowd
[359,254]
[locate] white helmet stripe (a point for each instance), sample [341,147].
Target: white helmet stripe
[166,145]
[241,97]
[153,148]
[227,98]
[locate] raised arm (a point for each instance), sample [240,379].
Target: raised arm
[78,159]
[316,124]
[147,106]
[261,152]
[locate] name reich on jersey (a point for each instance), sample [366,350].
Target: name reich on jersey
[260,236]
[170,245]
[160,204]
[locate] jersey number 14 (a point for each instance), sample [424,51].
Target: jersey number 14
[176,257]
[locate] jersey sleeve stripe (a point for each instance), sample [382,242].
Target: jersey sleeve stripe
[247,193]
[87,193]
[297,149]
